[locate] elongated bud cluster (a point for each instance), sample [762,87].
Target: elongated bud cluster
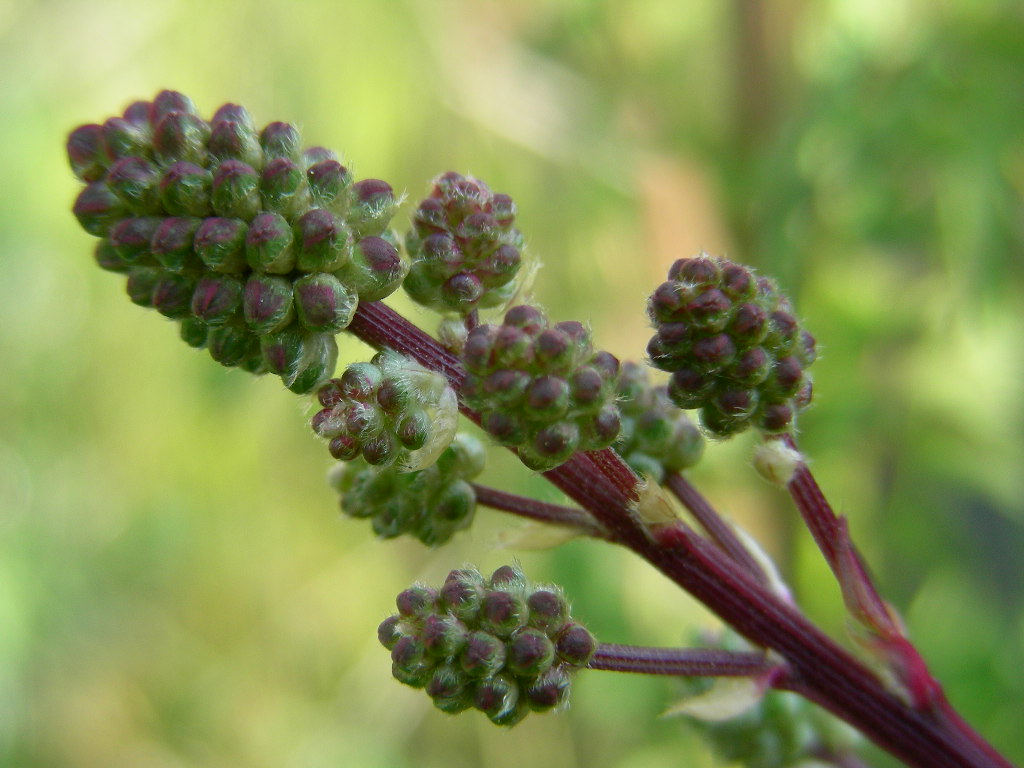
[465,251]
[500,645]
[733,345]
[390,411]
[541,387]
[656,436]
[261,251]
[430,504]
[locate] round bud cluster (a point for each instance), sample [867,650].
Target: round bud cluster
[261,251]
[465,252]
[541,387]
[390,410]
[733,346]
[430,504]
[656,436]
[501,645]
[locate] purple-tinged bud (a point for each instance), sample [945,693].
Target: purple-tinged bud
[376,269]
[107,258]
[710,308]
[786,377]
[512,347]
[283,187]
[418,601]
[548,397]
[230,140]
[548,610]
[172,243]
[555,349]
[549,690]
[185,190]
[502,613]
[360,381]
[530,652]
[440,255]
[167,102]
[324,241]
[738,283]
[181,136]
[390,632]
[508,577]
[667,302]
[97,208]
[499,698]
[699,271]
[430,217]
[372,205]
[461,594]
[443,636]
[233,113]
[194,332]
[483,656]
[235,191]
[87,152]
[379,449]
[323,303]
[172,295]
[138,113]
[413,430]
[784,332]
[507,429]
[476,354]
[507,387]
[141,283]
[588,387]
[131,237]
[220,243]
[501,266]
[135,181]
[328,180]
[713,352]
[776,417]
[463,289]
[314,155]
[267,303]
[268,244]
[217,298]
[602,429]
[344,447]
[689,388]
[124,139]
[229,344]
[409,652]
[528,319]
[281,140]
[552,445]
[503,208]
[283,351]
[449,691]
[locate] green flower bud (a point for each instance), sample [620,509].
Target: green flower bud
[375,270]
[443,636]
[181,136]
[281,140]
[502,613]
[131,237]
[372,206]
[390,632]
[217,298]
[448,689]
[122,138]
[87,153]
[236,190]
[283,351]
[320,355]
[324,241]
[107,258]
[135,181]
[314,155]
[167,102]
[548,610]
[185,190]
[461,594]
[268,244]
[97,208]
[194,332]
[328,181]
[231,140]
[549,690]
[499,699]
[172,241]
[141,283]
[575,645]
[172,295]
[283,187]
[530,652]
[323,303]
[267,303]
[418,601]
[230,344]
[220,243]
[483,655]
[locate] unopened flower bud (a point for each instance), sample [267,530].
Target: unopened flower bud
[268,244]
[220,244]
[87,153]
[323,303]
[267,303]
[324,241]
[236,190]
[181,136]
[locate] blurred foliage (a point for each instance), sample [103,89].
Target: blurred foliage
[176,588]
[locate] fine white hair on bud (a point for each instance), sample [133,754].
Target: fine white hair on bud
[777,462]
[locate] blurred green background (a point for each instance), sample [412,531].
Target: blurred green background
[177,587]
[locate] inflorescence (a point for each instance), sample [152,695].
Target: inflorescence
[501,645]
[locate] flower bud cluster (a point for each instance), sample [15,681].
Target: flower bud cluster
[541,387]
[465,252]
[430,504]
[390,410]
[733,346]
[656,436]
[261,251]
[501,645]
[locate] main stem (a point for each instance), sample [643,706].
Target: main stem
[819,668]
